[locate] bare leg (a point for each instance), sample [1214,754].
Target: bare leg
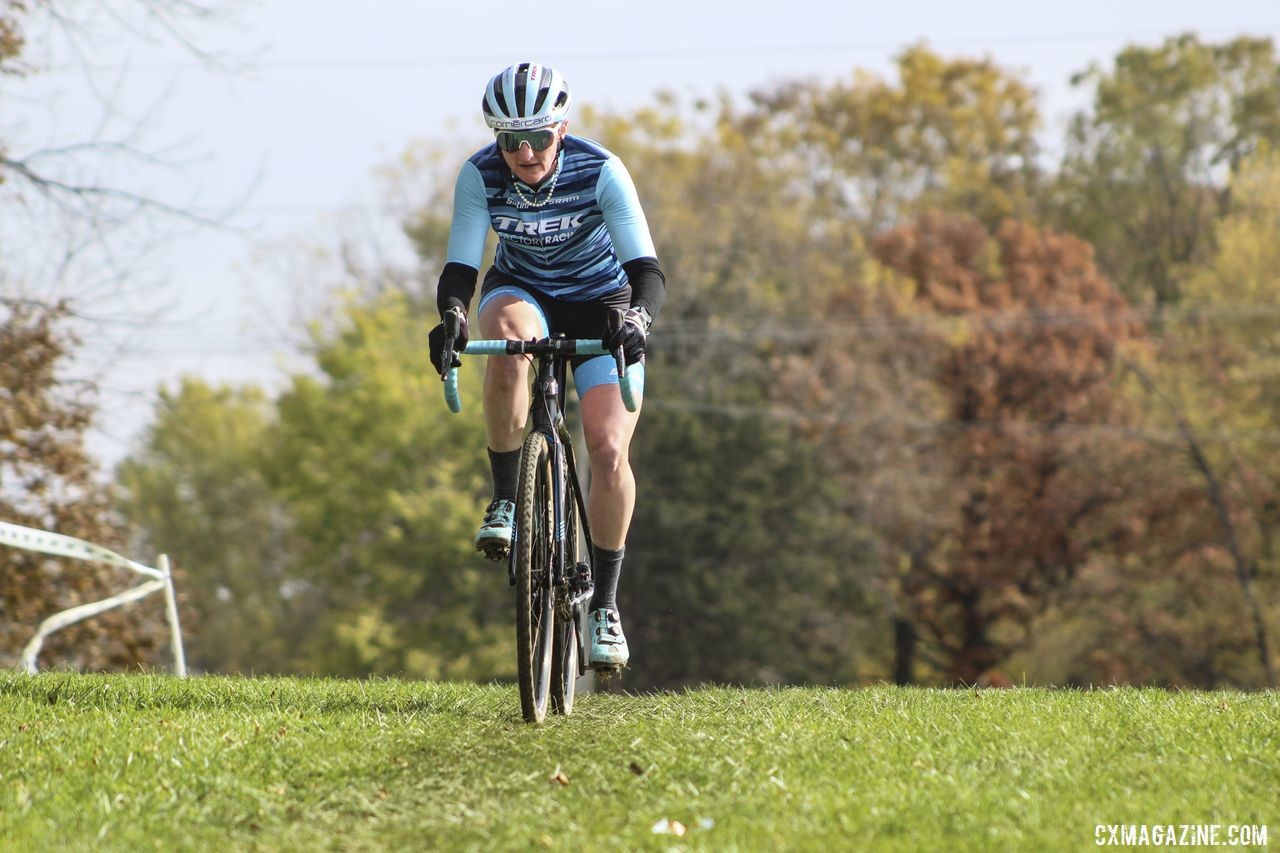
[506,380]
[608,427]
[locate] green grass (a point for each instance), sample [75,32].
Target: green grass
[152,762]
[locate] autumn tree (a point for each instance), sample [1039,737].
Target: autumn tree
[48,481]
[957,134]
[1200,607]
[1037,483]
[68,230]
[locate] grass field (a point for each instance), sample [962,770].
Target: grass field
[152,762]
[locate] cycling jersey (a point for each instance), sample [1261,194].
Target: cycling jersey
[569,238]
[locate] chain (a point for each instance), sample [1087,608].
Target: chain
[551,188]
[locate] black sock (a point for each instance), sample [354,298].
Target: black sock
[607,567]
[506,471]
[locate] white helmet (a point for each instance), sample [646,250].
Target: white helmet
[526,96]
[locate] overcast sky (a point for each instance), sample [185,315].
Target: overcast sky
[326,98]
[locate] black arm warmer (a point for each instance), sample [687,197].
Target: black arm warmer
[457,286]
[648,284]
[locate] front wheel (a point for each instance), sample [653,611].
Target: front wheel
[534,556]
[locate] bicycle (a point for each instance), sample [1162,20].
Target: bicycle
[549,564]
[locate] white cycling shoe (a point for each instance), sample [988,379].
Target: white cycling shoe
[494,538]
[608,643]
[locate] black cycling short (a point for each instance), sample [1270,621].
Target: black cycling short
[572,319]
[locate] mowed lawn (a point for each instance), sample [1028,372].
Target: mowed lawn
[153,762]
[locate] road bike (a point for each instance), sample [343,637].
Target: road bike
[549,564]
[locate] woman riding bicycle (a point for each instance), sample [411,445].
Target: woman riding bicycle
[573,243]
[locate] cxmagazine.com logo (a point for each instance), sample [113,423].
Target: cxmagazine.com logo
[1180,835]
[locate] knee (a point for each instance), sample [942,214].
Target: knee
[608,454]
[514,321]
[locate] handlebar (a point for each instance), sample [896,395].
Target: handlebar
[539,347]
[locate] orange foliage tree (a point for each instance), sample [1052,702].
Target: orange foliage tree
[1034,436]
[47,480]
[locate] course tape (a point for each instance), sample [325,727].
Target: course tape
[31,539]
[57,545]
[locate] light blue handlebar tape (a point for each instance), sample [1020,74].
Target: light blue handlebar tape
[632,390]
[451,395]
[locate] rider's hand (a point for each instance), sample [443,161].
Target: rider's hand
[631,335]
[435,342]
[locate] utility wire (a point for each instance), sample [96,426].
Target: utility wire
[793,415]
[692,52]
[714,331]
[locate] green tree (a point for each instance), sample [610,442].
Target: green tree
[384,487]
[1144,176]
[740,567]
[196,489]
[329,530]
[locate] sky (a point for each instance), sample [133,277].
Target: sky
[289,130]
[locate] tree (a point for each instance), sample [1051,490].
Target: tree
[197,488]
[741,566]
[1213,396]
[330,528]
[1143,178]
[952,134]
[47,480]
[384,487]
[10,36]
[66,233]
[1028,396]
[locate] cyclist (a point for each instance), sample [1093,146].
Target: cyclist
[573,243]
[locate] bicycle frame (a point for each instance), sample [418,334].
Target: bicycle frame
[547,416]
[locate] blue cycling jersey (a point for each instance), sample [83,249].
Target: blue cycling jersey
[570,247]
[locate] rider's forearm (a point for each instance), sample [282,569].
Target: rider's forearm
[648,284]
[457,286]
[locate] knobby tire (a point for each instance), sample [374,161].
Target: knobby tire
[534,553]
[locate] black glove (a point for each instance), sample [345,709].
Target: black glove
[435,342]
[631,335]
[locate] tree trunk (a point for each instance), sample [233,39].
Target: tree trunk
[905,641]
[1244,572]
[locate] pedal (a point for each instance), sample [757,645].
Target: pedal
[494,550]
[607,671]
[580,584]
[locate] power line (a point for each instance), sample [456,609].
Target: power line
[793,415]
[854,325]
[676,331]
[337,62]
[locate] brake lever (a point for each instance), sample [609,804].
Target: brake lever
[452,323]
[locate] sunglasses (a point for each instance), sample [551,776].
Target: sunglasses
[539,140]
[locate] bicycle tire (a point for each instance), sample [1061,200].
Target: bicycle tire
[564,653]
[534,553]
